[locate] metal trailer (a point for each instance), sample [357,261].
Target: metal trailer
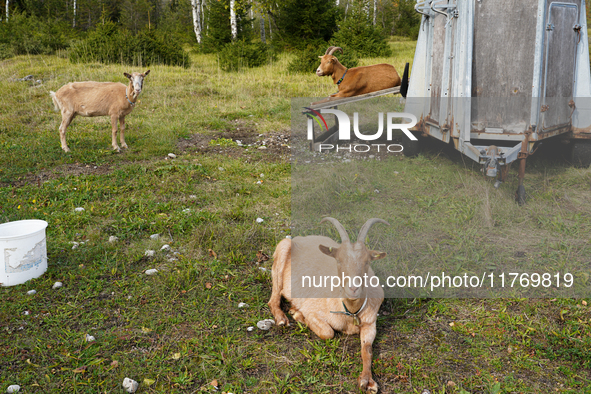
[495,77]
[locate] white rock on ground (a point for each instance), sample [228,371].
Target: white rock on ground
[113,238]
[32,292]
[266,324]
[130,385]
[151,271]
[172,155]
[90,338]
[79,209]
[57,285]
[250,329]
[260,220]
[242,305]
[13,388]
[155,236]
[165,247]
[149,253]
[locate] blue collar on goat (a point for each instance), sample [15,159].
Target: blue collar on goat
[130,102]
[343,77]
[353,315]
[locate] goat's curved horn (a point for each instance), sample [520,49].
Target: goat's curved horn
[328,50]
[340,228]
[334,49]
[364,230]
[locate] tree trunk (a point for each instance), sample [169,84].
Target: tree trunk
[196,5]
[74,18]
[337,3]
[263,37]
[233,25]
[375,11]
[270,28]
[7,2]
[347,9]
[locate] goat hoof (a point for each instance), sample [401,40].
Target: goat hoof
[116,149]
[66,149]
[369,386]
[124,146]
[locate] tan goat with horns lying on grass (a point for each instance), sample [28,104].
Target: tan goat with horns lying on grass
[357,80]
[352,309]
[89,98]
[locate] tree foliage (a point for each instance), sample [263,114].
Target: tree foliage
[305,22]
[357,33]
[109,44]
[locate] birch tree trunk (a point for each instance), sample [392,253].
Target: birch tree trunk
[233,25]
[346,9]
[196,5]
[74,19]
[263,37]
[375,11]
[7,2]
[337,3]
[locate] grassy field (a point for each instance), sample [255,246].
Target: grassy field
[181,330]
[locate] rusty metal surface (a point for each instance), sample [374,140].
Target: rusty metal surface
[437,69]
[504,46]
[559,64]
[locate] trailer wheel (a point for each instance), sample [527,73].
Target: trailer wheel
[411,148]
[581,153]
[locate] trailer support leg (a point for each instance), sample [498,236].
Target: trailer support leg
[520,193]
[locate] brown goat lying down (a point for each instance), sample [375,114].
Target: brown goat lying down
[352,308]
[112,99]
[357,80]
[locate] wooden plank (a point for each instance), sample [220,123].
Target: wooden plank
[345,100]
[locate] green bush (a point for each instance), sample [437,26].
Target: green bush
[307,61]
[108,44]
[219,34]
[301,23]
[30,35]
[237,55]
[357,33]
[408,22]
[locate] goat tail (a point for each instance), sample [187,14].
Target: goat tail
[56,104]
[404,84]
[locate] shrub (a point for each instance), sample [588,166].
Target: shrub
[409,22]
[237,55]
[218,34]
[108,44]
[357,32]
[307,61]
[30,35]
[301,23]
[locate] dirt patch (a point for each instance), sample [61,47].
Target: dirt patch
[241,142]
[59,172]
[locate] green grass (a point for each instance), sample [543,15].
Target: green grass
[181,329]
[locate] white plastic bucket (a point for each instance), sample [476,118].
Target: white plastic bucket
[23,251]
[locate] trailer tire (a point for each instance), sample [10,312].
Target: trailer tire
[581,154]
[411,148]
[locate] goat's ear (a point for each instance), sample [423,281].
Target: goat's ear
[146,73]
[376,255]
[320,57]
[127,75]
[328,251]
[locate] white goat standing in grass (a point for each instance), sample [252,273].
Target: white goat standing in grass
[352,310]
[90,98]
